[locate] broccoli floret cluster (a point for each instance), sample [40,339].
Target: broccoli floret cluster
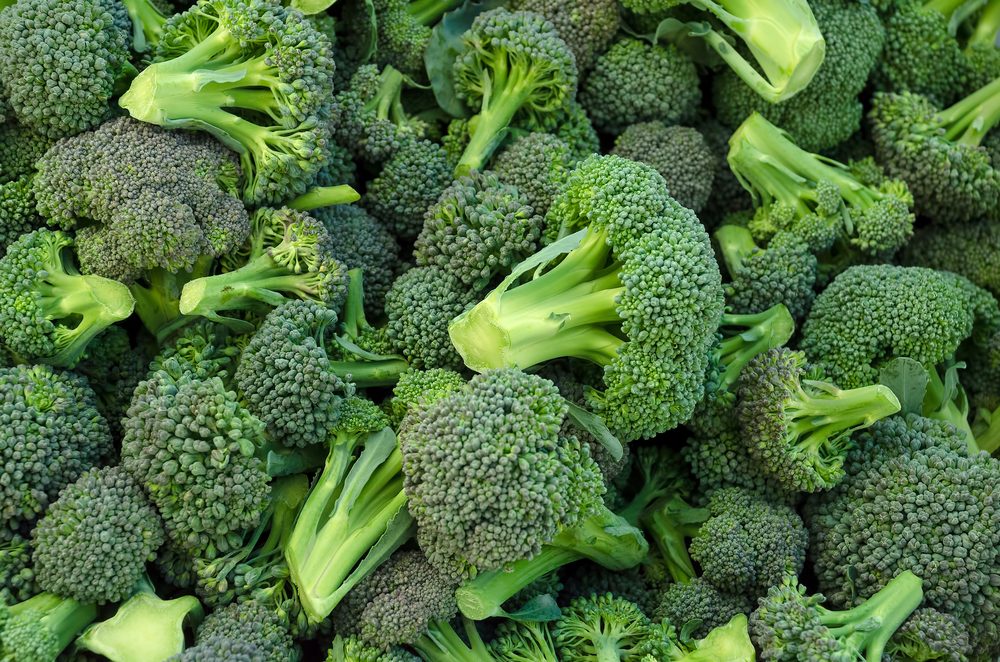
[18,211]
[538,165]
[20,149]
[587,26]
[409,183]
[699,603]
[599,626]
[970,249]
[251,623]
[17,577]
[929,634]
[418,389]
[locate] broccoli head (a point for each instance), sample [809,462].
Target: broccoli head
[252,623]
[700,605]
[20,149]
[929,634]
[971,249]
[403,30]
[523,642]
[538,166]
[587,26]
[18,211]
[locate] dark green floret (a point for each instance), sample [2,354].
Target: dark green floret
[929,634]
[49,311]
[94,542]
[699,601]
[411,181]
[607,627]
[42,627]
[587,26]
[404,28]
[18,213]
[418,389]
[538,165]
[250,622]
[17,578]
[20,149]
[971,249]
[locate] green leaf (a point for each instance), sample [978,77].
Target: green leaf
[539,609]
[907,379]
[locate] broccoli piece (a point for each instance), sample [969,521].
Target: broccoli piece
[221,649]
[252,623]
[40,628]
[538,165]
[353,649]
[876,218]
[929,634]
[17,578]
[215,70]
[871,314]
[94,542]
[635,81]
[969,249]
[797,426]
[576,130]
[404,28]
[513,68]
[288,255]
[411,181]
[700,606]
[18,214]
[783,273]
[587,26]
[477,229]
[606,627]
[20,149]
[523,642]
[114,368]
[828,111]
[148,18]
[142,198]
[418,389]
[52,433]
[901,465]
[641,584]
[606,300]
[61,62]
[49,312]
[938,152]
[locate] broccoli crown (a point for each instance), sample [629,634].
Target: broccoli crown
[929,634]
[94,542]
[418,389]
[699,600]
[142,197]
[489,477]
[192,445]
[61,62]
[938,153]
[748,544]
[222,649]
[576,130]
[398,602]
[587,26]
[20,149]
[635,81]
[604,626]
[873,313]
[411,181]
[271,92]
[477,229]
[114,368]
[419,306]
[402,36]
[791,625]
[51,433]
[538,165]
[799,428]
[48,311]
[252,623]
[970,249]
[523,642]
[854,37]
[918,470]
[679,153]
[285,377]
[18,214]
[360,242]
[612,300]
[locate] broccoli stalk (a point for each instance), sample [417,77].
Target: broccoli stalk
[147,23]
[603,537]
[984,34]
[157,298]
[945,400]
[354,517]
[968,121]
[746,336]
[41,627]
[324,196]
[672,522]
[429,12]
[987,430]
[441,643]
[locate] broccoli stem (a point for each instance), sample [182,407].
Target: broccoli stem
[507,93]
[746,336]
[968,121]
[428,12]
[944,7]
[604,537]
[945,400]
[442,644]
[369,374]
[157,303]
[987,26]
[324,196]
[870,625]
[63,617]
[671,523]
[735,244]
[824,420]
[988,434]
[147,23]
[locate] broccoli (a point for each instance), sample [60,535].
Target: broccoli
[634,81]
[18,214]
[538,166]
[41,627]
[250,622]
[573,127]
[523,642]
[791,625]
[61,62]
[587,26]
[148,17]
[512,66]
[214,71]
[49,312]
[929,634]
[20,149]
[797,426]
[221,649]
[479,228]
[288,255]
[114,368]
[353,649]
[871,314]
[970,249]
[404,28]
[418,389]
[606,627]
[17,578]
[938,153]
[606,300]
[700,606]
[52,433]
[679,153]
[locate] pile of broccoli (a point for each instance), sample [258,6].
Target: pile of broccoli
[499,330]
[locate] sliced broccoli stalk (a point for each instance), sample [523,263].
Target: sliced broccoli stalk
[147,23]
[41,627]
[603,537]
[441,643]
[354,517]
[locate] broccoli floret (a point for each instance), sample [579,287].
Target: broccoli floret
[20,149]
[797,426]
[523,642]
[700,605]
[288,255]
[902,466]
[142,198]
[41,627]
[607,627]
[970,249]
[270,90]
[611,300]
[538,166]
[252,623]
[828,111]
[679,153]
[575,129]
[418,389]
[404,28]
[221,649]
[52,433]
[791,625]
[49,312]
[114,368]
[587,26]
[17,578]
[938,153]
[635,81]
[477,229]
[94,542]
[61,62]
[411,181]
[18,213]
[871,314]
[641,585]
[513,68]
[353,649]
[929,634]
